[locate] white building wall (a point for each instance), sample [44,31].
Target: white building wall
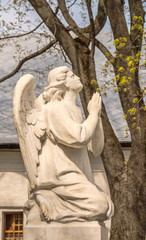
[14,182]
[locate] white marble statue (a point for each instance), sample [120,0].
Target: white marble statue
[54,139]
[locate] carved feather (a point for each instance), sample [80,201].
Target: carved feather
[30,127]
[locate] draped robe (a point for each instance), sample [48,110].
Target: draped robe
[65,181]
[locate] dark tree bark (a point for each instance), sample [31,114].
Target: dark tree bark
[128,189]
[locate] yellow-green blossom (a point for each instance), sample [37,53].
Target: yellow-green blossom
[121,45]
[129,58]
[130,78]
[138,54]
[138,19]
[125,89]
[117,77]
[116,41]
[124,116]
[132,70]
[98,90]
[136,61]
[135,100]
[112,60]
[144,63]
[121,69]
[107,64]
[132,111]
[137,27]
[123,39]
[123,80]
[107,54]
[135,18]
[117,89]
[130,63]
[93,81]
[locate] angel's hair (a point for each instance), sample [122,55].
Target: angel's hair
[56,84]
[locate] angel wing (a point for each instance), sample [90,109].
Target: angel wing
[30,124]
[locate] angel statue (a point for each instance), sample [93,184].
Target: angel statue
[54,140]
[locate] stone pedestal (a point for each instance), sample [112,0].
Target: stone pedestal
[69,231]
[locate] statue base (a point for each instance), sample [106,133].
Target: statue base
[68,231]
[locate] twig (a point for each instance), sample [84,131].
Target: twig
[21,35]
[104,50]
[72,4]
[33,55]
[92,34]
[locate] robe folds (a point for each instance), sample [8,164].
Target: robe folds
[65,181]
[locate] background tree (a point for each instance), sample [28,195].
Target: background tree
[127,180]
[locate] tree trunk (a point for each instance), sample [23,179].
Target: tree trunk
[126,223]
[128,192]
[125,180]
[113,159]
[86,70]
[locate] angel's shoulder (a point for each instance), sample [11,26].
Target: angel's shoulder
[55,107]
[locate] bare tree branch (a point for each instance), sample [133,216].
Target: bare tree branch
[56,27]
[99,21]
[72,4]
[33,55]
[92,34]
[64,55]
[117,18]
[136,10]
[21,35]
[101,17]
[105,51]
[56,10]
[66,15]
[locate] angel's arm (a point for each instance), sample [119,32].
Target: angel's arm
[95,146]
[68,132]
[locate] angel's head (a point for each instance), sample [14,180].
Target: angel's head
[59,81]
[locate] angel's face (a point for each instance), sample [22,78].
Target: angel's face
[73,82]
